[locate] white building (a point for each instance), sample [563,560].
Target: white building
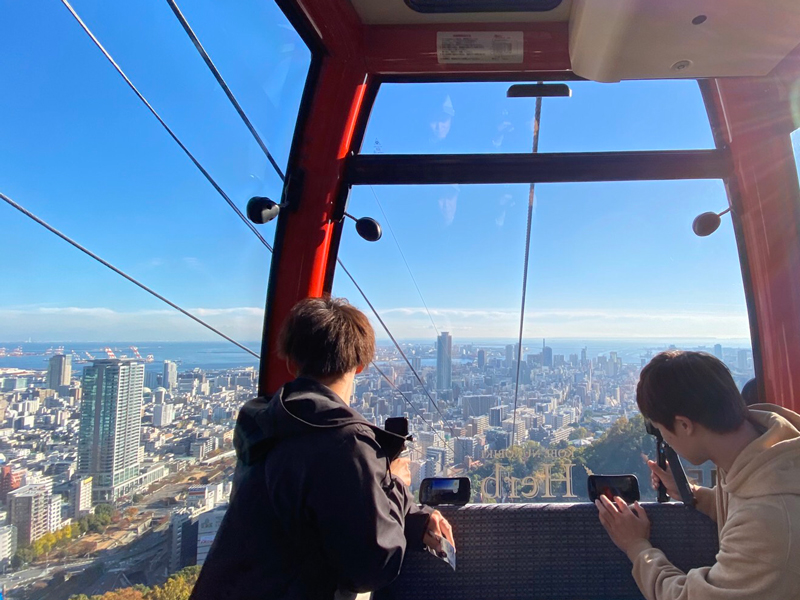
[8,544]
[80,497]
[207,527]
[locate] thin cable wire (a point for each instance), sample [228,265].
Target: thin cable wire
[172,134]
[211,180]
[107,264]
[409,402]
[218,76]
[188,29]
[394,237]
[397,345]
[536,120]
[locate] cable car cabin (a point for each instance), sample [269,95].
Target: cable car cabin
[530,198]
[617,122]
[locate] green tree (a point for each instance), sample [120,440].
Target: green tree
[623,448]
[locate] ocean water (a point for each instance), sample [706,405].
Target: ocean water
[223,355]
[189,355]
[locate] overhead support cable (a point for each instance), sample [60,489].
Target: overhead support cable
[409,402]
[218,76]
[397,242]
[397,345]
[536,121]
[263,147]
[211,180]
[121,273]
[172,134]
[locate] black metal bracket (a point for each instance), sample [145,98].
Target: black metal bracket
[421,169]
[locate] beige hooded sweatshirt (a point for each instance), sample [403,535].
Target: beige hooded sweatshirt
[758,517]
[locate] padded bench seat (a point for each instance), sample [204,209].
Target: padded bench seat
[547,552]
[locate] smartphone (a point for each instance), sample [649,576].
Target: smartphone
[610,486]
[444,490]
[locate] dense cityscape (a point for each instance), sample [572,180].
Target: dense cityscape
[116,471]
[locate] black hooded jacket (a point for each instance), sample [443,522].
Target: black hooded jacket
[314,508]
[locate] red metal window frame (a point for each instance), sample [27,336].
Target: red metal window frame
[351,57]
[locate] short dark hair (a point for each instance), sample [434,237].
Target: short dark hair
[750,392]
[695,385]
[326,337]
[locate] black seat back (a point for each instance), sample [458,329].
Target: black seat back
[547,552]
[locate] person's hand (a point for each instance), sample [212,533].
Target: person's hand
[657,474]
[438,527]
[400,469]
[627,528]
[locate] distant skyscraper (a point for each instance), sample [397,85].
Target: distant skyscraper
[718,351]
[416,363]
[510,356]
[742,356]
[547,356]
[444,362]
[110,430]
[170,379]
[583,355]
[481,359]
[59,371]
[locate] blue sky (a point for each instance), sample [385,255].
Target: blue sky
[607,260]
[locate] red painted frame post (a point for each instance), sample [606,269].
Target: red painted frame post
[304,233]
[755,122]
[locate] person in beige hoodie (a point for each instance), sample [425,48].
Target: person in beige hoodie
[692,398]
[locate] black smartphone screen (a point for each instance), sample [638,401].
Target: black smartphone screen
[444,490]
[610,486]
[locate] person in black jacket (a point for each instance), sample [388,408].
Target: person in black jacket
[318,509]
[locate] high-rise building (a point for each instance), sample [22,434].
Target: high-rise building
[54,519]
[8,544]
[497,415]
[481,359]
[208,526]
[416,363]
[718,351]
[510,356]
[59,371]
[170,377]
[29,512]
[547,356]
[742,360]
[110,429]
[163,414]
[152,379]
[80,497]
[475,406]
[444,362]
[464,446]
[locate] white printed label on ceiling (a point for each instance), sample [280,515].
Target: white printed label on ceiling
[479,47]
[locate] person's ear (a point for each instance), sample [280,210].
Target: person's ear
[684,426]
[360,369]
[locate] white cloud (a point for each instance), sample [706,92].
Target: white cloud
[245,323]
[413,322]
[104,324]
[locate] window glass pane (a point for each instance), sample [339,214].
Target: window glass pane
[451,118]
[83,153]
[615,276]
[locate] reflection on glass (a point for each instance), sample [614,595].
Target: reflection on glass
[616,275]
[479,118]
